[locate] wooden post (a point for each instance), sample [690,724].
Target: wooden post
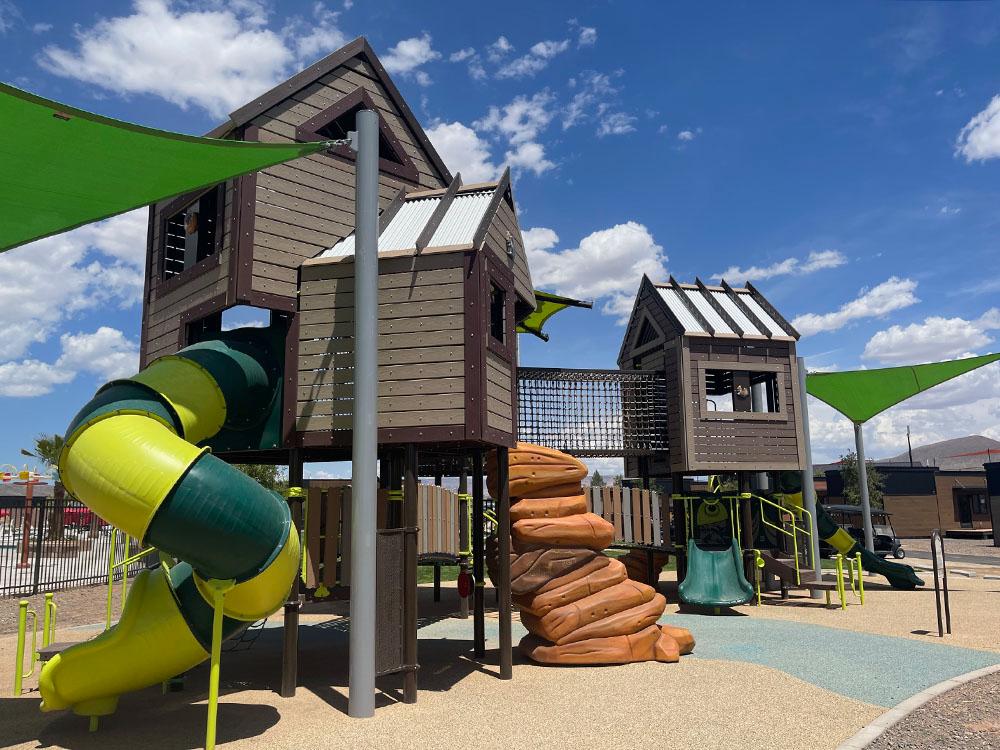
[478,564]
[411,470]
[503,564]
[290,647]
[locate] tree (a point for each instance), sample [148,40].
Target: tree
[852,488]
[597,480]
[48,448]
[266,474]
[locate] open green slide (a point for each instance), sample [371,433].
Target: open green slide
[715,577]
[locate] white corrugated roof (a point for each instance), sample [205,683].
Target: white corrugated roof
[456,228]
[705,308]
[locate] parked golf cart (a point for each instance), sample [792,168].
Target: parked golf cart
[850,519]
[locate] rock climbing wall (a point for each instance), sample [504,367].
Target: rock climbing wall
[636,563]
[578,604]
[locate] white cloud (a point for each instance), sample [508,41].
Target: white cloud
[587,37]
[521,122]
[463,151]
[31,378]
[933,339]
[816,261]
[216,58]
[530,156]
[93,266]
[105,352]
[607,264]
[41,28]
[499,49]
[892,294]
[409,55]
[685,135]
[616,123]
[536,60]
[979,140]
[8,15]
[462,54]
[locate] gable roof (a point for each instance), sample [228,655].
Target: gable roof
[357,48]
[430,219]
[723,311]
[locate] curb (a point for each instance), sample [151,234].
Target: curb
[874,730]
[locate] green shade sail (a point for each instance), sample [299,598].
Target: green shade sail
[861,394]
[62,167]
[547,306]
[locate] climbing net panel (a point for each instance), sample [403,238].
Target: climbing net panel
[593,412]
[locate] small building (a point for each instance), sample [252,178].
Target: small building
[728,357]
[924,498]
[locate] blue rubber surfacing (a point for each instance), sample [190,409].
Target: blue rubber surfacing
[879,669]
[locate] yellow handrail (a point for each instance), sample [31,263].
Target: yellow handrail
[796,529]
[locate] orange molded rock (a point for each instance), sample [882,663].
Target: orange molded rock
[605,576]
[626,622]
[563,620]
[551,507]
[622,649]
[585,530]
[532,570]
[635,563]
[682,636]
[535,471]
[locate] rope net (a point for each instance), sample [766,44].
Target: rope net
[593,413]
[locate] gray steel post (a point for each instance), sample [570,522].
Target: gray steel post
[364,468]
[866,505]
[808,486]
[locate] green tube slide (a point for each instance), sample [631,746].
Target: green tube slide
[134,455]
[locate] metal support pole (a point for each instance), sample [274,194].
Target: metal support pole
[364,469]
[808,486]
[478,566]
[411,478]
[464,527]
[503,564]
[290,631]
[866,506]
[218,589]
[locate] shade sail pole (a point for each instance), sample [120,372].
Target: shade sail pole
[364,469]
[866,506]
[808,485]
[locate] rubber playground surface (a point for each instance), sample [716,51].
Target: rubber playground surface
[812,685]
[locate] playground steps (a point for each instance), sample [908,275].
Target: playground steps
[782,568]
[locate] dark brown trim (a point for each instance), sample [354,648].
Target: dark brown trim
[718,308]
[504,278]
[309,131]
[745,309]
[514,403]
[144,331]
[690,306]
[437,216]
[498,194]
[199,311]
[290,385]
[475,368]
[166,286]
[246,213]
[182,201]
[769,308]
[269,301]
[385,216]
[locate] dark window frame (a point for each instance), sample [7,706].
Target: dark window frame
[405,169]
[167,213]
[498,276]
[782,415]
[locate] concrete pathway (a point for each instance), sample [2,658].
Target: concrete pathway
[967,559]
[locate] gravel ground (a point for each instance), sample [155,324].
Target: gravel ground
[982,547]
[964,718]
[83,606]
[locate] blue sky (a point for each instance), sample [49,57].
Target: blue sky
[845,157]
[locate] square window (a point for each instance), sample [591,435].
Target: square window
[498,313]
[191,234]
[734,391]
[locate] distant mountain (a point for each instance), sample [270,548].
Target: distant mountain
[945,454]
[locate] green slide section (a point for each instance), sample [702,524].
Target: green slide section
[899,576]
[715,577]
[137,455]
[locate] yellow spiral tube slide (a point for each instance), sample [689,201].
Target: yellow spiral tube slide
[131,455]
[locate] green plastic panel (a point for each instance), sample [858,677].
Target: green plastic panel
[122,395]
[196,611]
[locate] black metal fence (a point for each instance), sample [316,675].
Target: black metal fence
[593,412]
[57,543]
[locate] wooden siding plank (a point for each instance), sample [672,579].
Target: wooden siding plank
[398,372]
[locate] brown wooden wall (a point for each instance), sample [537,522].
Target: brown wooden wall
[421,343]
[192,294]
[306,206]
[741,444]
[505,221]
[498,393]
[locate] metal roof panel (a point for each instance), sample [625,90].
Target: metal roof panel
[680,310]
[748,299]
[708,312]
[749,329]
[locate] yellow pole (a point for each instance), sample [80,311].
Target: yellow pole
[861,580]
[22,624]
[124,566]
[840,581]
[48,620]
[111,576]
[219,589]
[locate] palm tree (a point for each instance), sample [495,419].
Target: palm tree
[47,450]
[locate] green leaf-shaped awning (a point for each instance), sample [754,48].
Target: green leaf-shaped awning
[547,305]
[861,394]
[62,167]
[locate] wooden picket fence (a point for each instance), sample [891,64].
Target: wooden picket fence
[640,517]
[441,514]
